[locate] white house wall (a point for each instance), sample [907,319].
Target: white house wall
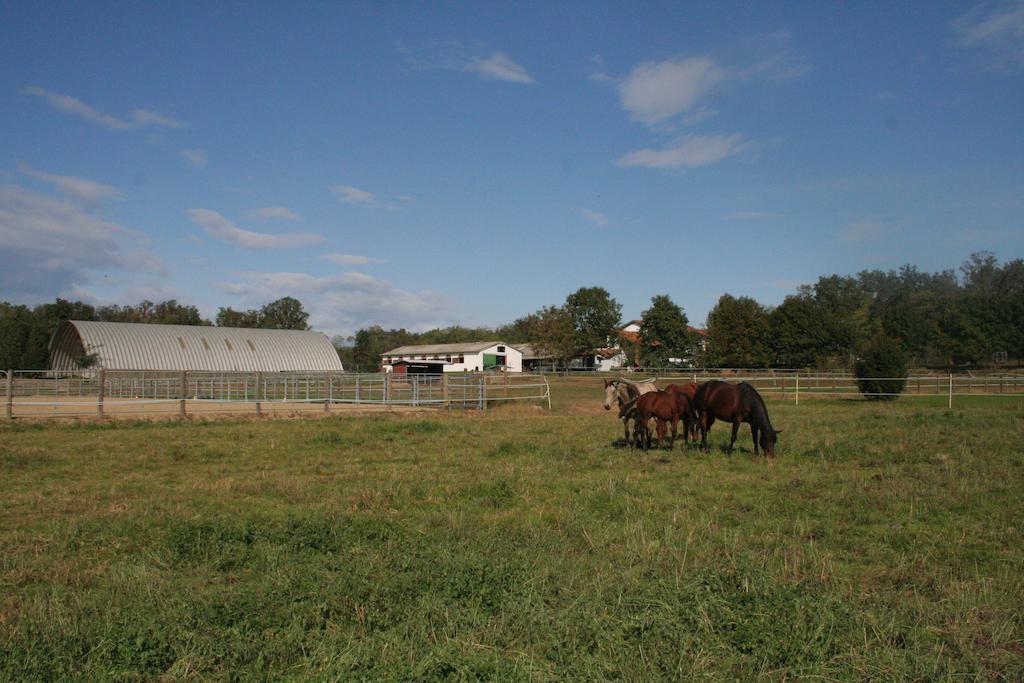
[472,362]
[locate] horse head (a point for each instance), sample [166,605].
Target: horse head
[610,392]
[768,437]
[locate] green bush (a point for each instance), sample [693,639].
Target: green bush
[882,369]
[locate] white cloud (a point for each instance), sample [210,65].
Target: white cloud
[773,58]
[593,216]
[196,157]
[499,67]
[344,302]
[353,195]
[351,259]
[138,118]
[51,246]
[690,151]
[218,226]
[272,213]
[862,231]
[454,55]
[997,28]
[79,188]
[656,91]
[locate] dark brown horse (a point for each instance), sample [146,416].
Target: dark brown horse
[666,407]
[735,403]
[690,390]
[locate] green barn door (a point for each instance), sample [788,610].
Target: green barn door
[490,360]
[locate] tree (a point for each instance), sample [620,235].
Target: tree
[44,321]
[664,332]
[738,333]
[15,323]
[595,318]
[168,312]
[553,333]
[881,370]
[519,330]
[229,317]
[372,342]
[345,346]
[795,334]
[284,314]
[843,310]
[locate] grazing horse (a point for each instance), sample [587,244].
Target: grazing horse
[664,407]
[690,390]
[625,392]
[735,403]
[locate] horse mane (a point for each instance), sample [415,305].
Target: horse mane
[749,393]
[627,408]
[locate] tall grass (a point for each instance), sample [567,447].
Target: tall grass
[883,542]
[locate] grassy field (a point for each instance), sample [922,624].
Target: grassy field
[884,542]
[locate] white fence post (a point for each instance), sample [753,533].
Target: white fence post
[184,394]
[951,391]
[260,391]
[9,409]
[99,399]
[798,390]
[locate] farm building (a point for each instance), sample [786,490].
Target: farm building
[465,356]
[534,358]
[136,346]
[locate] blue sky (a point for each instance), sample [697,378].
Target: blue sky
[417,166]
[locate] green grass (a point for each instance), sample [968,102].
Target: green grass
[884,542]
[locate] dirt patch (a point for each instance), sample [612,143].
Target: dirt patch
[74,409]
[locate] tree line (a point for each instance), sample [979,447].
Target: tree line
[935,319]
[25,332]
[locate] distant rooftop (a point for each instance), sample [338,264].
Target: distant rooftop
[461,347]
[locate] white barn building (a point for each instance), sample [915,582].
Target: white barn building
[461,357]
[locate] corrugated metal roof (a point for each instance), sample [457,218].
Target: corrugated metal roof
[530,352]
[463,347]
[137,346]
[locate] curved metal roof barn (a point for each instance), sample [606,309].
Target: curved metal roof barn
[137,346]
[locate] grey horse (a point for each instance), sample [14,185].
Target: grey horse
[625,393]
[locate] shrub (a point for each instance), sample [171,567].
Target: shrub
[882,369]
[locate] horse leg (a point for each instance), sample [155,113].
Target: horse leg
[735,430]
[675,427]
[662,427]
[705,427]
[625,426]
[753,434]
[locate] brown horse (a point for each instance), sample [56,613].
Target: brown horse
[665,407]
[735,403]
[690,390]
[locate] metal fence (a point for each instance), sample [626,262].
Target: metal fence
[797,386]
[35,393]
